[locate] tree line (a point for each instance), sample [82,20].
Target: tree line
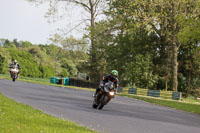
[153,44]
[42,60]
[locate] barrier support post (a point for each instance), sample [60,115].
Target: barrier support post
[62,80]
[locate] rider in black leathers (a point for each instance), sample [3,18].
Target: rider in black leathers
[111,77]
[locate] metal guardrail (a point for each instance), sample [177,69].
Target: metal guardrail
[73,82]
[152,93]
[87,84]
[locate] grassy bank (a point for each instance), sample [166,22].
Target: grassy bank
[179,105]
[19,118]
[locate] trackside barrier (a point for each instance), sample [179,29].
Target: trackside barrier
[57,80]
[142,92]
[73,82]
[152,93]
[176,95]
[82,83]
[166,94]
[53,80]
[136,91]
[132,91]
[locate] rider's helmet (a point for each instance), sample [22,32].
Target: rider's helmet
[15,61]
[114,73]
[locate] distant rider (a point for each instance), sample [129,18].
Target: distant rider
[15,64]
[110,77]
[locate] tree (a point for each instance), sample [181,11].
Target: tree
[167,18]
[3,62]
[94,8]
[16,42]
[74,52]
[9,44]
[140,72]
[25,44]
[189,64]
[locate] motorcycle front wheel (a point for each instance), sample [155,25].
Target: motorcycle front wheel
[96,100]
[94,105]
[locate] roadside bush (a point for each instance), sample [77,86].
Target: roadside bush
[29,68]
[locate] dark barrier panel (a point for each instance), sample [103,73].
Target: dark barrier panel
[66,81]
[53,80]
[58,80]
[176,95]
[132,91]
[150,93]
[156,93]
[82,83]
[153,93]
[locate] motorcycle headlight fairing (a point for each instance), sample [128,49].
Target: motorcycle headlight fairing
[111,93]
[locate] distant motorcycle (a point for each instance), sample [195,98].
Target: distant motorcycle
[14,73]
[104,95]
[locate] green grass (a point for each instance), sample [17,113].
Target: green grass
[19,118]
[40,81]
[190,100]
[179,105]
[27,79]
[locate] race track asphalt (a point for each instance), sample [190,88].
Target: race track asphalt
[121,115]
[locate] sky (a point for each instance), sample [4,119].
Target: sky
[24,21]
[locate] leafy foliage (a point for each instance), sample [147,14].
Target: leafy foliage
[153,44]
[42,61]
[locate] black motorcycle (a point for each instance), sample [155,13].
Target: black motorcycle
[106,93]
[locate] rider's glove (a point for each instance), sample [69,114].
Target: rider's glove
[101,84]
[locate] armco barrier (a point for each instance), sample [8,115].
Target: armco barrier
[142,92]
[132,91]
[166,94]
[73,82]
[82,83]
[137,91]
[66,81]
[176,95]
[152,93]
[53,80]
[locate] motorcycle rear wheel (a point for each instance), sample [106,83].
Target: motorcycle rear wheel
[103,101]
[94,105]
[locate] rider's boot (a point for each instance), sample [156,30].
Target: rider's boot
[97,90]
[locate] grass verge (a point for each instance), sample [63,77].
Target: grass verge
[27,79]
[189,107]
[40,81]
[18,118]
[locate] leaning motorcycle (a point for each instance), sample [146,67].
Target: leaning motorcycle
[106,93]
[14,73]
